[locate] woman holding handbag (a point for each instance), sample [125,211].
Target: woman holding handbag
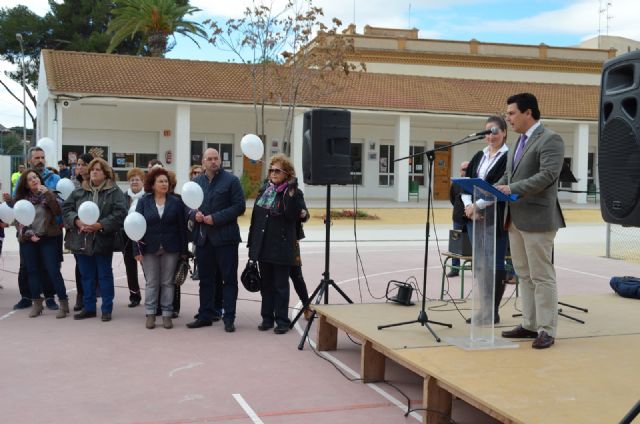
[164,242]
[272,241]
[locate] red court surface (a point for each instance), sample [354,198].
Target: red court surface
[66,371]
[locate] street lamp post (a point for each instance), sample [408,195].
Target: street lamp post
[24,102]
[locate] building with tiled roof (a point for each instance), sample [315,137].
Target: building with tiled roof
[410,99]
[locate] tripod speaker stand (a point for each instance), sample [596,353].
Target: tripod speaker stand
[323,288]
[423,319]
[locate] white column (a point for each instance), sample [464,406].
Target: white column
[403,136]
[182,144]
[296,147]
[579,162]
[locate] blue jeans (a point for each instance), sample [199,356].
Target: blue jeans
[211,261]
[42,261]
[89,267]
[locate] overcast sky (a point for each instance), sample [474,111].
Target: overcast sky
[553,22]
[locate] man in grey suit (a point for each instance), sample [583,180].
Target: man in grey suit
[533,220]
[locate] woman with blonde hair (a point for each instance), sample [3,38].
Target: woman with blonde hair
[94,244]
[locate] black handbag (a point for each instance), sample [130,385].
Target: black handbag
[182,270]
[250,277]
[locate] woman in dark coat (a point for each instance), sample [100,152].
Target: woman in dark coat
[272,241]
[490,164]
[163,243]
[94,244]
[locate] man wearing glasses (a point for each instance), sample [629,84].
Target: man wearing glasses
[217,237]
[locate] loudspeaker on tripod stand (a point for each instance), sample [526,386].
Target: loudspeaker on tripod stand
[326,147]
[619,140]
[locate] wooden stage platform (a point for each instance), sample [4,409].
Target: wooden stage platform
[591,374]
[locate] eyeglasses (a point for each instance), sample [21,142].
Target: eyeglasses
[276,171]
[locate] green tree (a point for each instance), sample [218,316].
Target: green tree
[155,21]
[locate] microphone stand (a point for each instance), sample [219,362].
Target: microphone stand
[423,319]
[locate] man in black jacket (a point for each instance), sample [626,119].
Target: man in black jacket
[217,236]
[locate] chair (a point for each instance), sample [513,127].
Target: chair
[414,190]
[465,265]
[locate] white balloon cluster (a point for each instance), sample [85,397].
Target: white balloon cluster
[6,213]
[24,212]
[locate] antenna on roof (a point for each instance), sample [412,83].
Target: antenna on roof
[354,12]
[409,27]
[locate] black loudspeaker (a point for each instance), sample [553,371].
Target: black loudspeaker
[326,147]
[619,140]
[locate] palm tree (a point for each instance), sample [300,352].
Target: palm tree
[156,21]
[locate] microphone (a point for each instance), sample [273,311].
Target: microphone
[492,130]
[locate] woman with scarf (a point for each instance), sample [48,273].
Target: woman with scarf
[38,244]
[135,176]
[94,244]
[272,241]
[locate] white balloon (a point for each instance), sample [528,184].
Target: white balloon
[49,147]
[6,213]
[135,226]
[65,187]
[24,212]
[88,213]
[252,146]
[192,195]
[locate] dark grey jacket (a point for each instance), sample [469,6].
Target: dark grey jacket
[113,210]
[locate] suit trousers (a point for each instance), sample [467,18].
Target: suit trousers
[531,254]
[211,261]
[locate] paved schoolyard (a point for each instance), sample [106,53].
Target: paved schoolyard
[56,371]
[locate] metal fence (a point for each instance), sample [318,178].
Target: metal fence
[623,243]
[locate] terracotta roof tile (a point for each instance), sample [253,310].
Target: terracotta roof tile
[143,77]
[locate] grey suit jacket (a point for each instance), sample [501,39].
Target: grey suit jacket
[535,180]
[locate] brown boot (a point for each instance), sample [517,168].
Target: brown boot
[167,323]
[36,308]
[64,308]
[151,322]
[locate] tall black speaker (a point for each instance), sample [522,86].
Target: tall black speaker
[326,147]
[619,140]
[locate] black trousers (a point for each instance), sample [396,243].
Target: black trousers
[275,293]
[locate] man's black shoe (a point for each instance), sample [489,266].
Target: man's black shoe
[24,303]
[281,329]
[452,274]
[84,314]
[51,304]
[229,327]
[199,323]
[519,332]
[264,326]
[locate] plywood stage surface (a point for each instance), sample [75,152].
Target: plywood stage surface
[591,374]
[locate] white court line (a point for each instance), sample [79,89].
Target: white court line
[5,316]
[250,412]
[345,367]
[583,272]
